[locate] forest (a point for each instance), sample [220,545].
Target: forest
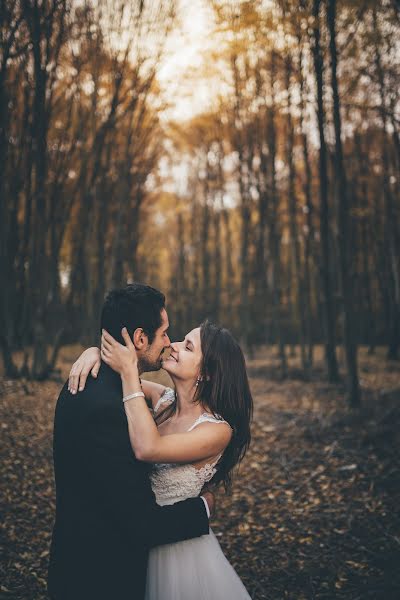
[274,211]
[243,156]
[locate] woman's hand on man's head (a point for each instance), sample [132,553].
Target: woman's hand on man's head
[88,362]
[117,356]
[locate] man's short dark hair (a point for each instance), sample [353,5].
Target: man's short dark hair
[136,305]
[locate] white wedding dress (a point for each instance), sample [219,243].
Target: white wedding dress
[194,569]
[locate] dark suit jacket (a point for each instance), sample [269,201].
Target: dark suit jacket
[106,514]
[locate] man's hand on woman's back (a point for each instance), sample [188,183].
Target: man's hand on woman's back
[210,499]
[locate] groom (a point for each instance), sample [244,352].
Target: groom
[107,518]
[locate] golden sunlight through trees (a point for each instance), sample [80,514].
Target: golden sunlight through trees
[241,155]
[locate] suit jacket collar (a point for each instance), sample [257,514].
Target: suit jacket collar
[110,376]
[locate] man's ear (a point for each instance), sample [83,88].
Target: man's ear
[140,339]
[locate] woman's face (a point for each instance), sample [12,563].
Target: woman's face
[185,358]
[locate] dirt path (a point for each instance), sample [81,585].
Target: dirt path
[314,511]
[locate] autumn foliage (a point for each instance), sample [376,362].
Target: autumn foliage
[274,210]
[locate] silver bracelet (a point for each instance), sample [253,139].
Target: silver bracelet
[135,395]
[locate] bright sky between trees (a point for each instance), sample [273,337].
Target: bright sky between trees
[186,52]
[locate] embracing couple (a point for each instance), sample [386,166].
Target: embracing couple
[132,459]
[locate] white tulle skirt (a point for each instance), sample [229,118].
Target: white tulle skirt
[195,569]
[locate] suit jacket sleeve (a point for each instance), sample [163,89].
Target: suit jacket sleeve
[123,488]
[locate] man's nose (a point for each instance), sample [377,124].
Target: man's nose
[167,342]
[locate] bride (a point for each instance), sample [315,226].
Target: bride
[194,435]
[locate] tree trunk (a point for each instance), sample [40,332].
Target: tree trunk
[392,227]
[343,223]
[325,268]
[275,230]
[39,258]
[245,215]
[309,234]
[366,242]
[260,267]
[181,287]
[217,285]
[226,244]
[204,247]
[298,294]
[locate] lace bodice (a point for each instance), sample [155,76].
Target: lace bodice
[174,482]
[167,398]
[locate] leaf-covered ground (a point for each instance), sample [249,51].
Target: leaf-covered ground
[315,508]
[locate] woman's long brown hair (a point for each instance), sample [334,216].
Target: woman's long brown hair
[224,391]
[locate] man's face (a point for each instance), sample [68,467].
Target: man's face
[151,358]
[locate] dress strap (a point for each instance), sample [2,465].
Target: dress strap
[209,468]
[207,418]
[167,397]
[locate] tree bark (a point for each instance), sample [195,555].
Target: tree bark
[309,233]
[391,225]
[298,291]
[325,267]
[275,229]
[343,223]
